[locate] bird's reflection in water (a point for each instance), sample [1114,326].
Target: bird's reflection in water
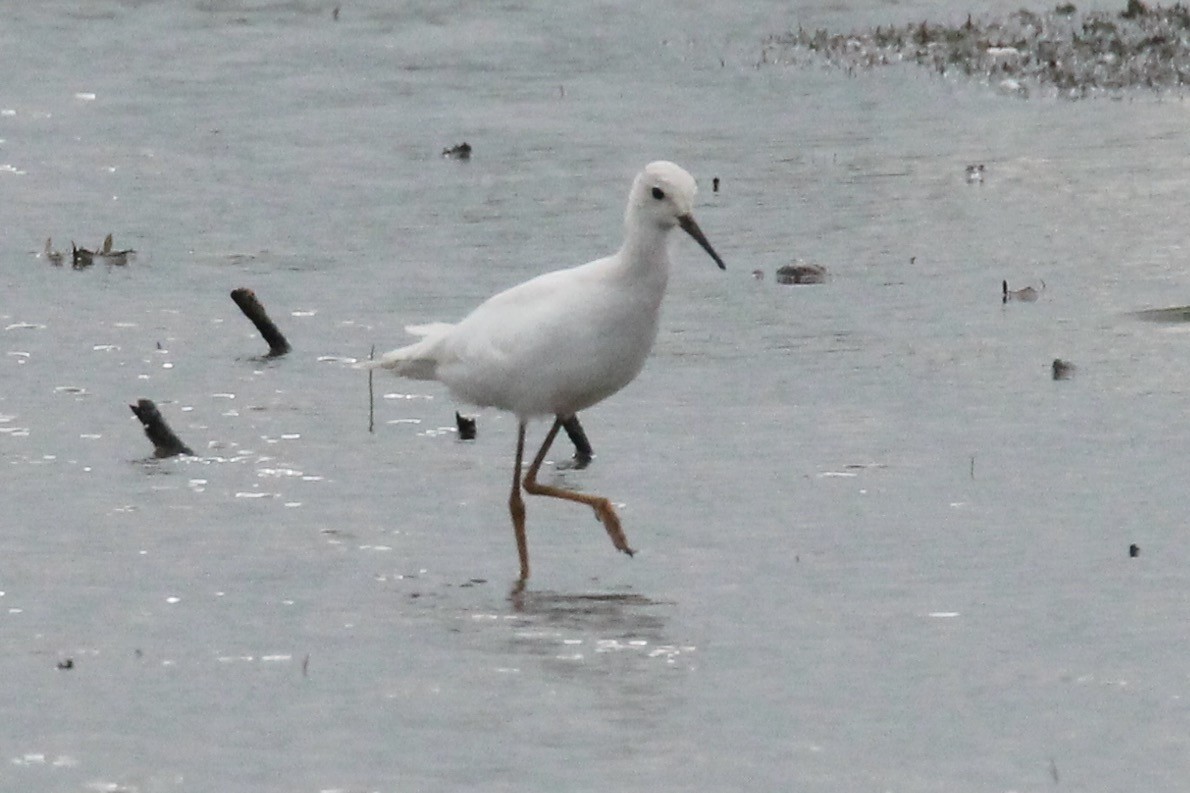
[589,628]
[545,603]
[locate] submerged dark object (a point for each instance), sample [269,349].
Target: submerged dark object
[1062,370]
[1133,550]
[460,152]
[801,273]
[1172,314]
[247,301]
[165,442]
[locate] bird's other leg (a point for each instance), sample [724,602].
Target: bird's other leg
[583,453]
[516,506]
[603,508]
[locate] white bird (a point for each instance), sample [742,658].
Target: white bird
[563,341]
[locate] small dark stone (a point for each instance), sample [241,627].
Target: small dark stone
[715,185]
[66,663]
[801,273]
[1134,550]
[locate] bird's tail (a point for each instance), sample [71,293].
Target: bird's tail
[417,360]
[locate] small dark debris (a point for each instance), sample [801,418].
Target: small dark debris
[54,257]
[66,663]
[335,13]
[801,273]
[1172,314]
[715,185]
[975,174]
[460,152]
[1133,550]
[1062,370]
[1026,294]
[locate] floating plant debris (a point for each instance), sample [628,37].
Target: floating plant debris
[1068,52]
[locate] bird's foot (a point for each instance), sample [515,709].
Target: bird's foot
[611,521]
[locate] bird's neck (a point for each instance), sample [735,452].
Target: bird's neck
[645,253]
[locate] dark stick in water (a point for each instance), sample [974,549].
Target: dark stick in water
[253,310]
[583,453]
[466,426]
[165,442]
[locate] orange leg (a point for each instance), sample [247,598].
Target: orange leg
[516,505]
[603,508]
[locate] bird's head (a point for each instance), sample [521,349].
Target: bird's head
[663,196]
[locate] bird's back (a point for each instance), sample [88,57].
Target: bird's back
[555,344]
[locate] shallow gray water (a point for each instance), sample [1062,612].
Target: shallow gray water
[880,549]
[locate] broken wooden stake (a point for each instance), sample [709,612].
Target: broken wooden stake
[253,310]
[165,442]
[466,427]
[583,453]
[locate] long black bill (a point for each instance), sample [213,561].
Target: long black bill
[690,227]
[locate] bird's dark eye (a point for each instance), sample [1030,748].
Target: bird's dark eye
[658,194]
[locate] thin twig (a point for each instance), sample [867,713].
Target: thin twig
[371,395]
